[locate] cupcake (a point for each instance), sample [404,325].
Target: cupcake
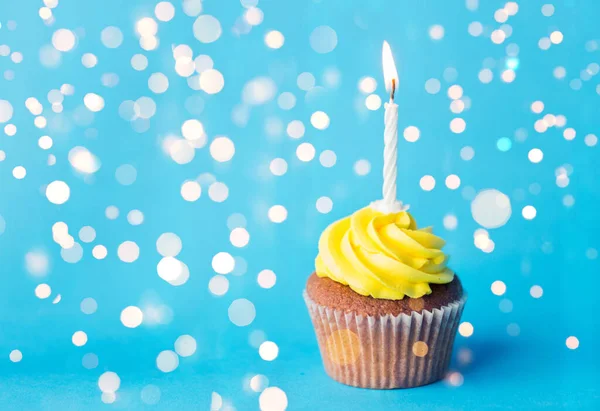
[384,304]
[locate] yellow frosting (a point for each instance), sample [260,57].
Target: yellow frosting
[382,255]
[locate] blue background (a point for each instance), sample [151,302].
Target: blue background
[555,250]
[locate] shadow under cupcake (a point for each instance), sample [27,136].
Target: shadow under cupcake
[384,306]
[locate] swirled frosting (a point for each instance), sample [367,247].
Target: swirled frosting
[382,255]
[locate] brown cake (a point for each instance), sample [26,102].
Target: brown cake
[383,303]
[329,293]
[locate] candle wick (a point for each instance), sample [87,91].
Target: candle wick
[393,92]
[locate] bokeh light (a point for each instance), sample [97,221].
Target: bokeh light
[241,312]
[436,32]
[207,29]
[277,213]
[529,212]
[491,208]
[258,383]
[185,345]
[268,351]
[128,251]
[218,285]
[111,37]
[324,205]
[167,361]
[15,356]
[323,39]
[222,149]
[223,263]
[63,40]
[79,338]
[273,399]
[362,167]
[164,11]
[43,291]
[452,181]
[239,237]
[305,152]
[536,291]
[498,287]
[58,192]
[274,39]
[427,183]
[266,279]
[319,120]
[465,329]
[109,382]
[88,306]
[132,316]
[278,166]
[572,342]
[458,125]
[450,222]
[168,245]
[411,134]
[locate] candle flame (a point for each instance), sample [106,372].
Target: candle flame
[389,68]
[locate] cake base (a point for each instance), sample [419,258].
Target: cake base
[364,346]
[329,293]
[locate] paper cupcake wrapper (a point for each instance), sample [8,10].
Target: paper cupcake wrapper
[385,352]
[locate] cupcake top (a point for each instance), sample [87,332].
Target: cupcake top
[382,255]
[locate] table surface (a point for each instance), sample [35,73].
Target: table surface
[516,376]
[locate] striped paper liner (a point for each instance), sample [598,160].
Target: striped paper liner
[385,352]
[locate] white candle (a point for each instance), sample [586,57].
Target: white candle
[390,153]
[390,135]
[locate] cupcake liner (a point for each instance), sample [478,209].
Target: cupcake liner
[385,352]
